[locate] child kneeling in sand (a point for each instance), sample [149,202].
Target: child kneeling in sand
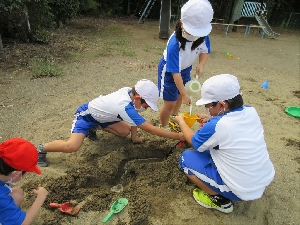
[116,113]
[230,160]
[17,156]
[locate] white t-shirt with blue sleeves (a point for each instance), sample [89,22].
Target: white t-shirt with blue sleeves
[116,106]
[177,59]
[238,149]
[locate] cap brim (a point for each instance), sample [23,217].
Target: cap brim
[202,102]
[204,31]
[36,170]
[153,106]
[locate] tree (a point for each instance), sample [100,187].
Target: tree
[164,21]
[1,46]
[236,11]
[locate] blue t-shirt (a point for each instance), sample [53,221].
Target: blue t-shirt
[10,213]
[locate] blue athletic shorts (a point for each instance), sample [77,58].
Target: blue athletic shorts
[166,85]
[83,121]
[202,166]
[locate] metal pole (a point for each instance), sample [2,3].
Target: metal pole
[287,24]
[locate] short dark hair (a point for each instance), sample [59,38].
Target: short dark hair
[5,169]
[133,91]
[235,102]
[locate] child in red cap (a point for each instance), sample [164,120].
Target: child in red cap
[17,156]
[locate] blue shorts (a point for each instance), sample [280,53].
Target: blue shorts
[202,166]
[166,85]
[83,121]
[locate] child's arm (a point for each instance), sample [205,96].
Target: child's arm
[180,86]
[186,130]
[203,57]
[41,193]
[134,137]
[161,132]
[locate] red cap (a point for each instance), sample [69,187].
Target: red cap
[20,154]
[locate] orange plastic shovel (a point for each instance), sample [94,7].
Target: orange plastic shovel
[67,207]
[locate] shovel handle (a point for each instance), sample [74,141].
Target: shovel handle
[54,205]
[108,217]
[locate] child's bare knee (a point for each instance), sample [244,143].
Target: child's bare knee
[125,133]
[71,148]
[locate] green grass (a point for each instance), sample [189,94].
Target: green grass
[44,68]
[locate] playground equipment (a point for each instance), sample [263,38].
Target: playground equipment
[146,10]
[257,10]
[148,6]
[251,9]
[267,30]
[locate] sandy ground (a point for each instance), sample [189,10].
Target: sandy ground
[118,53]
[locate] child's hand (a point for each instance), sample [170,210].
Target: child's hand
[186,100]
[179,118]
[137,140]
[203,117]
[40,192]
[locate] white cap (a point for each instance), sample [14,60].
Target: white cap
[196,16]
[148,91]
[219,88]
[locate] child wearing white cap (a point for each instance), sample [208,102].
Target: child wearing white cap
[17,157]
[116,113]
[230,160]
[185,45]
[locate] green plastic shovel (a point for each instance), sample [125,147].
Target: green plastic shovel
[116,207]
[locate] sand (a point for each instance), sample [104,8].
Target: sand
[102,55]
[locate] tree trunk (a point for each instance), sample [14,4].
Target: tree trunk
[236,13]
[1,46]
[236,10]
[164,20]
[128,7]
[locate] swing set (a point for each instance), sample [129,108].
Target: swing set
[147,6]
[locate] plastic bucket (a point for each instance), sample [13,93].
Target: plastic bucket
[190,119]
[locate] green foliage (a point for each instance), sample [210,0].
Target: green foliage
[28,20]
[44,68]
[41,36]
[23,18]
[88,7]
[64,9]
